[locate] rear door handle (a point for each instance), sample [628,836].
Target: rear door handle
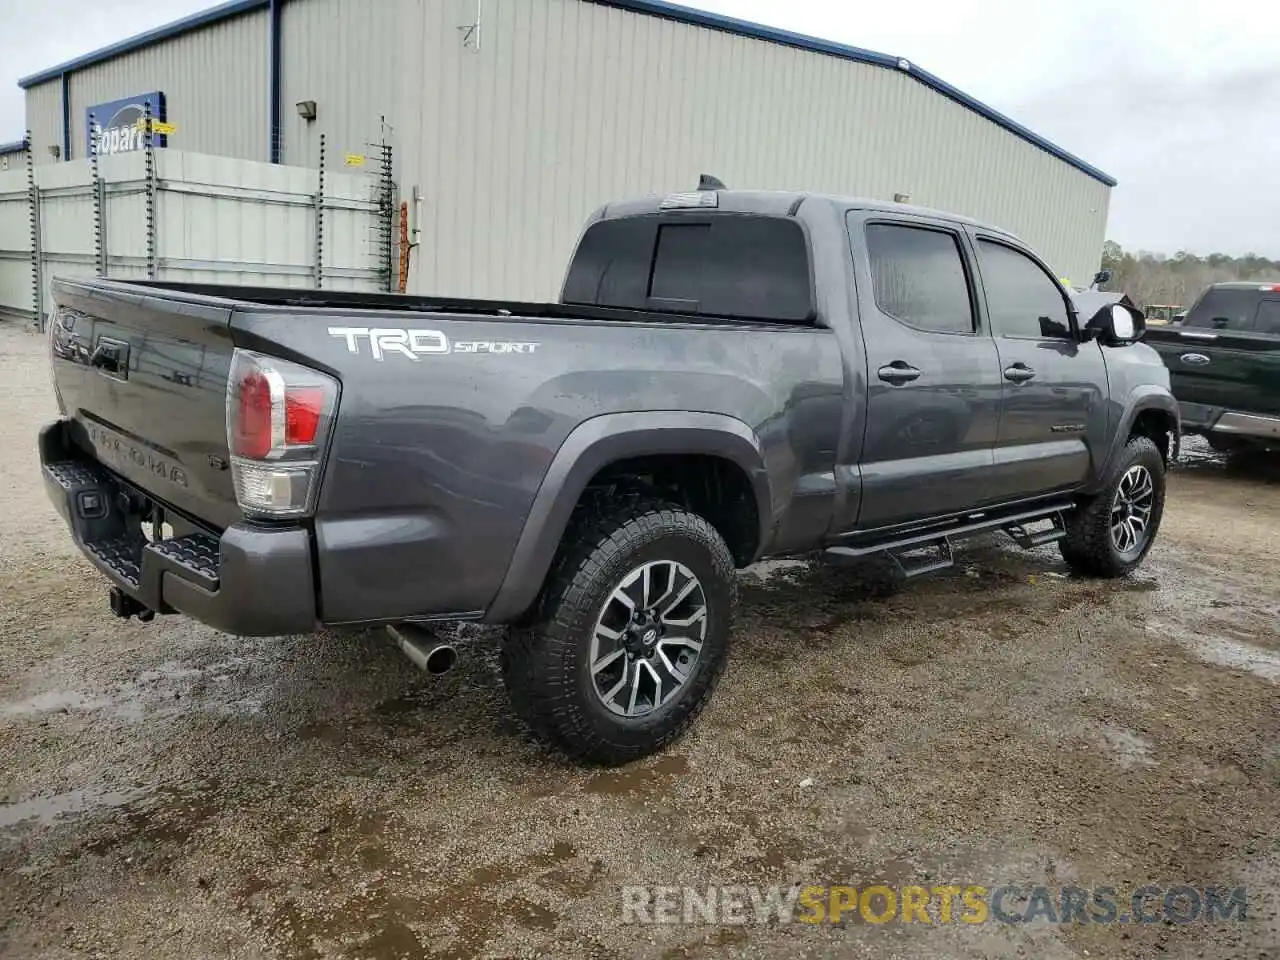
[898,372]
[1019,373]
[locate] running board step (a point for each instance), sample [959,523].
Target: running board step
[1015,525]
[911,566]
[1029,541]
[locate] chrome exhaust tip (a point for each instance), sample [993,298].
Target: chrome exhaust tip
[424,649]
[441,659]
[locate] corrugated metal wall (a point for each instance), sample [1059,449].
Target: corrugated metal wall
[44,117]
[341,54]
[13,160]
[214,81]
[569,104]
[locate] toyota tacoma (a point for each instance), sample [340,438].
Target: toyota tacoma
[727,376]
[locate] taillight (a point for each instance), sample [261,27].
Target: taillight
[251,436]
[303,408]
[278,419]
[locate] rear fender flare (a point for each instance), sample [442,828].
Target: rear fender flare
[594,445]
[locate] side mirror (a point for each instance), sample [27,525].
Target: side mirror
[1116,325]
[1123,325]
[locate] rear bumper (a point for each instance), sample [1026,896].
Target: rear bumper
[251,581]
[1202,418]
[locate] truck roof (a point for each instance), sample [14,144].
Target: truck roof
[1259,285]
[780,203]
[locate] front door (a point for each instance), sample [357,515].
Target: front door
[1053,414]
[933,373]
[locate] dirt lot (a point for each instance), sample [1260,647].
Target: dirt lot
[169,791]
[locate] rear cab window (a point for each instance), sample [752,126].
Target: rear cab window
[1268,318]
[1225,308]
[731,265]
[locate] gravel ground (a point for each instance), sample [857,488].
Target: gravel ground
[169,791]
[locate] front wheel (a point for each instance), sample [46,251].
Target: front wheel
[631,634]
[1110,533]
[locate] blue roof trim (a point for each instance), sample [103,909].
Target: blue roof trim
[15,147]
[657,8]
[222,11]
[715,21]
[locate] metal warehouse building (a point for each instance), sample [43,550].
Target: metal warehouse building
[510,120]
[13,155]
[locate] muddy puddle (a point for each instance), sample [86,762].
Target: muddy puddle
[45,810]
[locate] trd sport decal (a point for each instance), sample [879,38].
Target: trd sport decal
[416,344]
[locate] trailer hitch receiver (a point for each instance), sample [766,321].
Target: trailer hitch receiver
[124,607]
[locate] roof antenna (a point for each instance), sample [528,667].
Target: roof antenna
[708,182]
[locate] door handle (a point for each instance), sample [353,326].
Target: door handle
[1019,373]
[898,373]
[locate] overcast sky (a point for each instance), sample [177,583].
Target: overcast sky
[1177,99]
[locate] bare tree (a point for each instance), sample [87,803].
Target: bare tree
[1154,278]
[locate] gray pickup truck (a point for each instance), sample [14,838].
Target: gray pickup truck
[728,376]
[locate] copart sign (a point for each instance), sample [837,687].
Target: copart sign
[119,126]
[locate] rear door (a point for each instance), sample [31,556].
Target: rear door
[934,381]
[1053,411]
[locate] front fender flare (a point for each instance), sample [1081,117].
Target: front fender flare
[1143,398]
[593,445]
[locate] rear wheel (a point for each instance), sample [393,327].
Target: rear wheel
[631,633]
[1110,533]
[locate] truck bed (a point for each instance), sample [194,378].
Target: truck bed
[449,416]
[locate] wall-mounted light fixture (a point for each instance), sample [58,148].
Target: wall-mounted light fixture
[306,109]
[55,151]
[902,198]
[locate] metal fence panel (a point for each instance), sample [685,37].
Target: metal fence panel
[15,246]
[191,217]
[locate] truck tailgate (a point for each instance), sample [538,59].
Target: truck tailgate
[142,376]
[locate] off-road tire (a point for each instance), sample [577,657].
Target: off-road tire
[544,662]
[1088,547]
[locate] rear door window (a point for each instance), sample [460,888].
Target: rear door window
[724,265]
[918,277]
[1224,308]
